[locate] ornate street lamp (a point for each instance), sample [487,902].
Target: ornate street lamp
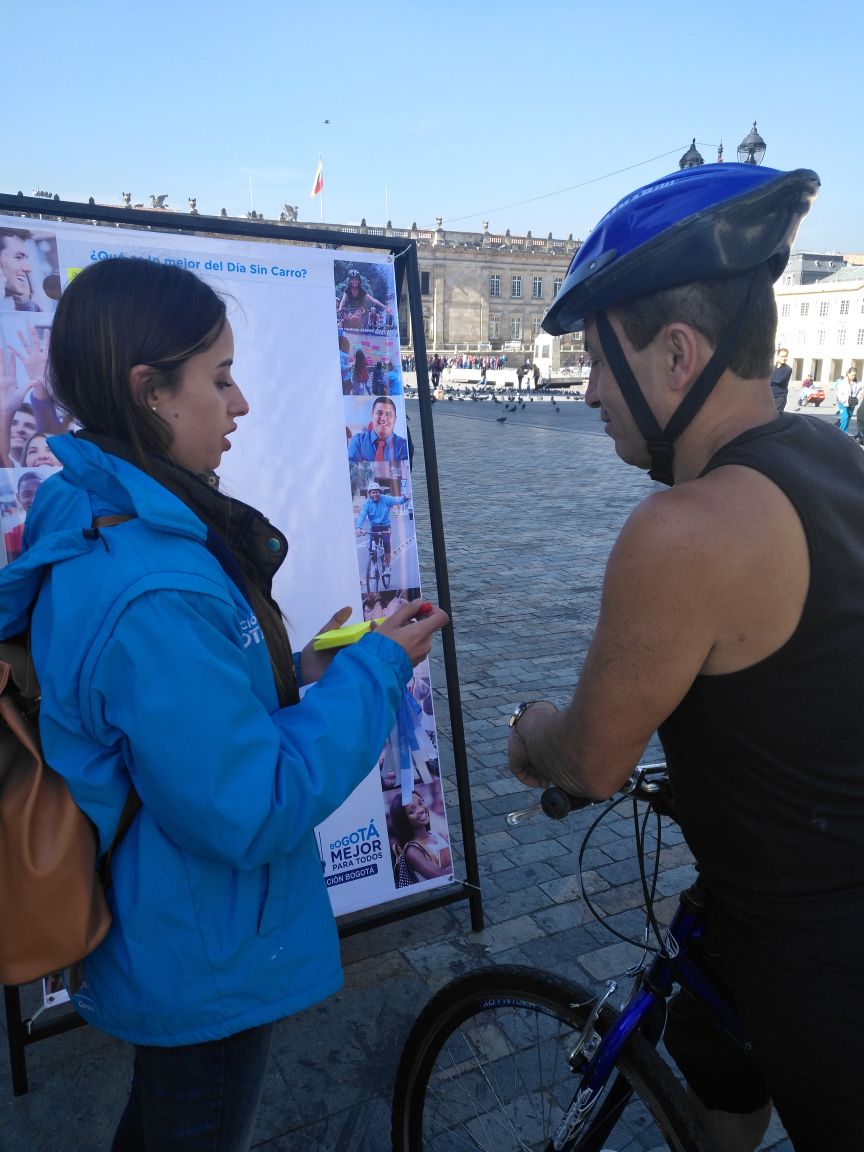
[751,150]
[691,158]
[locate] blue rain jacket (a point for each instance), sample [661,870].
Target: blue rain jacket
[153,670]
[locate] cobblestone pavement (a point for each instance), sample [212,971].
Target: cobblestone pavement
[531,508]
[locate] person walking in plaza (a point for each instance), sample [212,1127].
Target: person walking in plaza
[848,393]
[780,378]
[726,595]
[166,668]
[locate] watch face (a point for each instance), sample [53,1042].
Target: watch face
[517,713]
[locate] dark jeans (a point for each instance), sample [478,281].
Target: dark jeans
[197,1098]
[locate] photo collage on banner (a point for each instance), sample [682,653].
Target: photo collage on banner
[331,469]
[379,464]
[29,272]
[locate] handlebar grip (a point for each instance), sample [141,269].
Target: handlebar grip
[557,804]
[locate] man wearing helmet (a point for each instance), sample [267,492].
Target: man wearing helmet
[376,509]
[724,597]
[353,308]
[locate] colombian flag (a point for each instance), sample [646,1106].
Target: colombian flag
[318,182]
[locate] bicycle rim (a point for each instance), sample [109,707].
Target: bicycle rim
[486,1068]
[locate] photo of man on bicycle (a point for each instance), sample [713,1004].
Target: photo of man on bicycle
[728,595]
[376,509]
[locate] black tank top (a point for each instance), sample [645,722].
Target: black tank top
[768,762]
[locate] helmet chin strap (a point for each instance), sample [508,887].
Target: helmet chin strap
[661,441]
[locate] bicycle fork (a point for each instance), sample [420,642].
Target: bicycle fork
[602,1055]
[603,1052]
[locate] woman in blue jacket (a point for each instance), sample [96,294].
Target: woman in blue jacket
[165,667]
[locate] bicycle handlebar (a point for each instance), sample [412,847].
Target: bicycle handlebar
[649,782]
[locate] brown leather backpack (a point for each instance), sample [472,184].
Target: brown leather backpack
[53,911]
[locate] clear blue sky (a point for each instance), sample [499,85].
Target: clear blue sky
[514,113]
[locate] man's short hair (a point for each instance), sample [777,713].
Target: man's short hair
[710,306]
[17,233]
[25,476]
[383,400]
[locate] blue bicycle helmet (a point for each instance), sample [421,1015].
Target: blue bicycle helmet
[697,224]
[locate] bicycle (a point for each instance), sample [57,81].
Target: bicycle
[514,1058]
[377,572]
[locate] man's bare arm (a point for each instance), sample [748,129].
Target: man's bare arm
[708,577]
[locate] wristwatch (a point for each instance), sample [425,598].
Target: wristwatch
[518,712]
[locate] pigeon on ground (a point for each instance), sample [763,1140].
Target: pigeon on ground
[500,419]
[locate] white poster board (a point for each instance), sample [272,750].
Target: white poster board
[317,355]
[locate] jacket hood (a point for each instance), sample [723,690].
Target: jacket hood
[59,525]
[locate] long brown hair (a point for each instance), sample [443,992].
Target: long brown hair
[118,313]
[122,312]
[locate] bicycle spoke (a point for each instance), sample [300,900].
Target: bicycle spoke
[487,1068]
[488,1091]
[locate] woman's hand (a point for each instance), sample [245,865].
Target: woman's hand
[413,627]
[314,664]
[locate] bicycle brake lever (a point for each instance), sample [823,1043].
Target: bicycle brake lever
[522,816]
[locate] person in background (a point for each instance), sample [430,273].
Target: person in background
[394,380]
[848,392]
[25,404]
[37,452]
[150,591]
[780,377]
[360,374]
[27,487]
[15,268]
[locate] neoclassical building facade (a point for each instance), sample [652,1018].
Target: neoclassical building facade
[822,324]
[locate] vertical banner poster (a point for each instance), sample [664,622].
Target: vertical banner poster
[323,453]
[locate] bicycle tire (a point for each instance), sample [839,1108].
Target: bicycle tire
[473,1073]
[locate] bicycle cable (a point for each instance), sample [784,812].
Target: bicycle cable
[648,892]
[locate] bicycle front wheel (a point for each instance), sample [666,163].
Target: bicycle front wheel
[486,1067]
